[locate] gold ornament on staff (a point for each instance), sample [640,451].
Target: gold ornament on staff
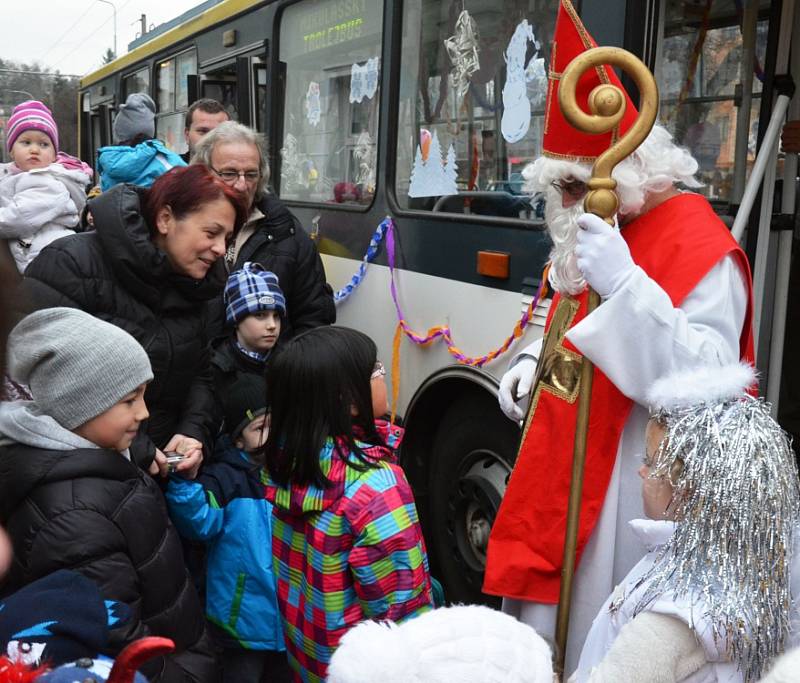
[607,105]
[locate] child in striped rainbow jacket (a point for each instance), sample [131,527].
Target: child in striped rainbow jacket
[346,539]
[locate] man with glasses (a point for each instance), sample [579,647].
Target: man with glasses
[675,293]
[273,237]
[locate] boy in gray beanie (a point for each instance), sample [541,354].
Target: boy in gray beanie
[135,121]
[77,366]
[74,495]
[136,157]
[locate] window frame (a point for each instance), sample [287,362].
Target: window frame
[123,81]
[159,67]
[720,204]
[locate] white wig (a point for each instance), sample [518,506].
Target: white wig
[655,166]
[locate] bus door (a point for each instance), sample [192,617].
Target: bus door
[239,82]
[96,123]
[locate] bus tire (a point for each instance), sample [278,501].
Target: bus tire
[473,451]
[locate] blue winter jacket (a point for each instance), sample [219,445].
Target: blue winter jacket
[225,507]
[139,165]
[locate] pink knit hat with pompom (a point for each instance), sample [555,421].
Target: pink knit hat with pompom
[31,115]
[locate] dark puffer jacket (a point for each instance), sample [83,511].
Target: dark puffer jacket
[280,244]
[93,511]
[117,274]
[228,365]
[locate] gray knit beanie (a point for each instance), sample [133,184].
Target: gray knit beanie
[135,117]
[77,366]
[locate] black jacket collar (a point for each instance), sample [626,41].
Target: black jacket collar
[24,468]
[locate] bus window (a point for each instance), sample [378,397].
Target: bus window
[138,81]
[166,85]
[471,105]
[700,108]
[185,66]
[173,98]
[331,54]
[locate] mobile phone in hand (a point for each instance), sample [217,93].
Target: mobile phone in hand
[173,458]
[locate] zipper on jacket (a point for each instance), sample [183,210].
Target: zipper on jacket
[236,605]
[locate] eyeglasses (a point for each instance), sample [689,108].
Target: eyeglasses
[576,189]
[230,177]
[378,370]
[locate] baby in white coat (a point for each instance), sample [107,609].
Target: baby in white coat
[712,598]
[43,191]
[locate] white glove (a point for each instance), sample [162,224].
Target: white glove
[515,385]
[602,255]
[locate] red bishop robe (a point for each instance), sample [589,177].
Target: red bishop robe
[676,243]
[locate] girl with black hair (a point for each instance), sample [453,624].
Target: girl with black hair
[346,539]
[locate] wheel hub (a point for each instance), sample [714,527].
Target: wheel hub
[478,528]
[477,498]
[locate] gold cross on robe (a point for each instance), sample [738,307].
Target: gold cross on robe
[559,369]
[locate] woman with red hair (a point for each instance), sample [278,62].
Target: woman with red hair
[151,266]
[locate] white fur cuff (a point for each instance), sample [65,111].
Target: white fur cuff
[707,384]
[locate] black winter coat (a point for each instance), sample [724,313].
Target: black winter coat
[93,511]
[117,274]
[280,244]
[228,365]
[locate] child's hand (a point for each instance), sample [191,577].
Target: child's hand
[159,466]
[191,449]
[6,552]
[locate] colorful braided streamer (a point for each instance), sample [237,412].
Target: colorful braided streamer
[358,276]
[443,331]
[386,230]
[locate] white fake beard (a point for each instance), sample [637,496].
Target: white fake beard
[565,276]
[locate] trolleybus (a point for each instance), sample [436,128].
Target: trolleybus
[403,108]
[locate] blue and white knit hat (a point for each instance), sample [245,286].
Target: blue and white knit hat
[59,618]
[250,290]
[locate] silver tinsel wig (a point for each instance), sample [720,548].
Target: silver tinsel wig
[735,502]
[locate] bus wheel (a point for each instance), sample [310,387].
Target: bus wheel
[474,448]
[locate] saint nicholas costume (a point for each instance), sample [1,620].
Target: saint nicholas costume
[687,302]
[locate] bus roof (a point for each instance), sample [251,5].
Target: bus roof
[182,27]
[172,23]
